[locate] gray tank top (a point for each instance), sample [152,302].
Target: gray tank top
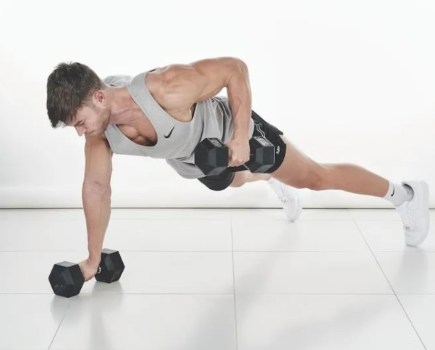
[176,140]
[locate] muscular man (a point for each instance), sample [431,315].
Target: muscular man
[166,112]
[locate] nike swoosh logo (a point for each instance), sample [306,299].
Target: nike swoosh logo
[394,189]
[170,133]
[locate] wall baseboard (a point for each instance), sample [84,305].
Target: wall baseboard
[250,196]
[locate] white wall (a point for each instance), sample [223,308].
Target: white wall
[348,81]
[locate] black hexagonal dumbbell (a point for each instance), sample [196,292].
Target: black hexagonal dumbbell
[66,278]
[211,156]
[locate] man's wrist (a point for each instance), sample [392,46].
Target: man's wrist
[241,135]
[94,257]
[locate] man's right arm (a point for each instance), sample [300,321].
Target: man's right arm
[96,193]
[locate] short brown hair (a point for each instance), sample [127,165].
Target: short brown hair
[68,87]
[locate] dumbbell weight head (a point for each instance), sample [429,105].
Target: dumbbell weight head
[262,155]
[111,266]
[66,279]
[211,156]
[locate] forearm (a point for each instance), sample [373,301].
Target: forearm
[239,96]
[97,207]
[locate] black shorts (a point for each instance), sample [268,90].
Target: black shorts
[261,128]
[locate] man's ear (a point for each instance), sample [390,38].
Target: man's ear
[99,98]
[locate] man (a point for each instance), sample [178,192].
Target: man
[166,112]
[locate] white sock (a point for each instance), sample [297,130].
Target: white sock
[397,194]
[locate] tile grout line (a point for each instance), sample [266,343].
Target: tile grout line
[60,323]
[127,251]
[109,294]
[234,282]
[391,286]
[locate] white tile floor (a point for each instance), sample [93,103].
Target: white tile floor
[221,279]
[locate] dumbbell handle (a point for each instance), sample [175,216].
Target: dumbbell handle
[235,169]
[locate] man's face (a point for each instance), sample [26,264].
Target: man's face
[92,118]
[88,121]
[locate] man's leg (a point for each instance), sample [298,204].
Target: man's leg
[411,199]
[300,171]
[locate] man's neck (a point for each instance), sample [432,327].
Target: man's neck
[121,107]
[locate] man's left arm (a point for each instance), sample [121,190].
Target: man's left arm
[178,87]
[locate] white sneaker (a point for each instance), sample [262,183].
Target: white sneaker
[290,198]
[415,213]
